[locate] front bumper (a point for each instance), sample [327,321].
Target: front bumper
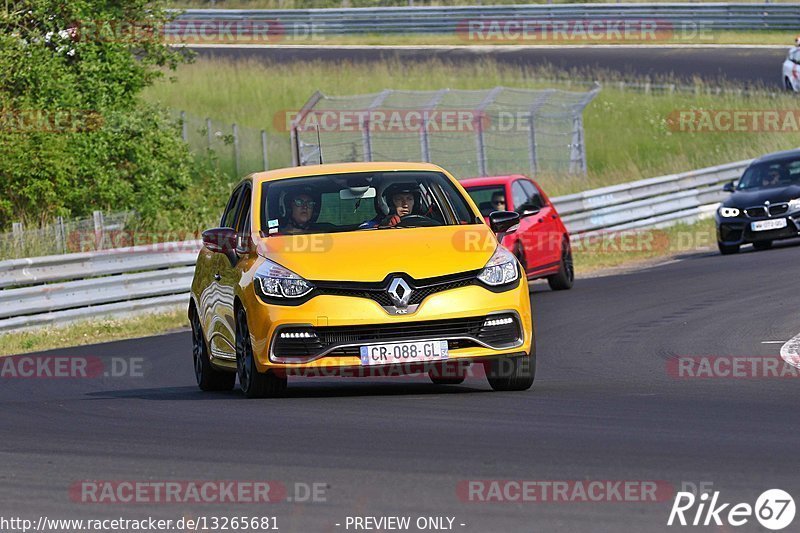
[737,231]
[344,323]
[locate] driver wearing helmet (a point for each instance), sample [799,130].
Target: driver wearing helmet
[401,198]
[301,208]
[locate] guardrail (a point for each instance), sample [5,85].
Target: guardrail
[343,21]
[56,289]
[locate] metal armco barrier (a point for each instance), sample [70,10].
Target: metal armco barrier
[345,21]
[57,289]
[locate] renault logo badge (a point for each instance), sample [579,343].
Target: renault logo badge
[399,292]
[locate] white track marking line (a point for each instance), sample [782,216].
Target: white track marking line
[773,342]
[790,352]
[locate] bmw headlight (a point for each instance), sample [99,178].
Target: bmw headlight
[278,282]
[794,204]
[728,212]
[501,268]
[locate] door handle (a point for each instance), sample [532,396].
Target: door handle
[217,277]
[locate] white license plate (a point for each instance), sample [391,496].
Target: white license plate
[766,225]
[403,352]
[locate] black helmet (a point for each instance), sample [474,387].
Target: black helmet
[385,198]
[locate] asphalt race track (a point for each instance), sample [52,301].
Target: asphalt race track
[604,407]
[739,65]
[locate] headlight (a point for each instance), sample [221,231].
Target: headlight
[728,212]
[794,204]
[278,282]
[501,268]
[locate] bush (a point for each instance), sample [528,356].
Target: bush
[74,134]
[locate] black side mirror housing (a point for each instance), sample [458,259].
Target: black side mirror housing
[729,187]
[503,221]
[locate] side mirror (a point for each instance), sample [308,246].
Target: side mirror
[729,187]
[220,240]
[503,221]
[527,210]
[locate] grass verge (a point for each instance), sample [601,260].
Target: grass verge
[631,248]
[92,332]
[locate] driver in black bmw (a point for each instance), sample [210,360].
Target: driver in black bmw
[764,206]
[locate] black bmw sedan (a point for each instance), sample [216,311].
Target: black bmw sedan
[764,206]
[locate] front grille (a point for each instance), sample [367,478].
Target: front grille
[778,209]
[756,212]
[774,210]
[322,339]
[378,291]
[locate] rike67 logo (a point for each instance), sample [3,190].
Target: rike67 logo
[774,509]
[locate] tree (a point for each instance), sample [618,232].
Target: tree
[74,133]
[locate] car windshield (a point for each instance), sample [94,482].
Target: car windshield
[771,174]
[488,199]
[362,201]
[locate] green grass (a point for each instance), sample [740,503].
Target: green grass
[627,133]
[92,332]
[643,246]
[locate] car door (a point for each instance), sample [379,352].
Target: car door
[221,323]
[546,224]
[536,236]
[526,240]
[231,267]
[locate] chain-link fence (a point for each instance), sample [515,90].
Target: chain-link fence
[100,232]
[472,133]
[238,150]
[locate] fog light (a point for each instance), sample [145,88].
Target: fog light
[498,322]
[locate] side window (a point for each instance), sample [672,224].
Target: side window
[229,216]
[518,195]
[243,220]
[534,198]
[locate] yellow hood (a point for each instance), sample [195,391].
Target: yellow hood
[370,255]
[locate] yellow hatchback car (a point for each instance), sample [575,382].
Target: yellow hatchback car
[358,269]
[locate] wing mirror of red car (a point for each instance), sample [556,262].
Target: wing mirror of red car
[503,221]
[220,240]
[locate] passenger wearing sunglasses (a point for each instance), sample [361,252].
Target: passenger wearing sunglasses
[301,209]
[498,201]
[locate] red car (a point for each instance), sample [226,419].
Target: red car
[542,242]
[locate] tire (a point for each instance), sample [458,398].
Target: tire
[520,255]
[208,378]
[728,249]
[444,375]
[512,374]
[787,84]
[254,384]
[762,245]
[566,272]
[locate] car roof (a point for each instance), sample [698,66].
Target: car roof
[339,168]
[778,156]
[489,180]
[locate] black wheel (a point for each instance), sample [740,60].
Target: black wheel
[208,377]
[566,273]
[254,384]
[788,84]
[447,375]
[728,249]
[512,374]
[762,245]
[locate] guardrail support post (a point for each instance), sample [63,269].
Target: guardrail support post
[208,133]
